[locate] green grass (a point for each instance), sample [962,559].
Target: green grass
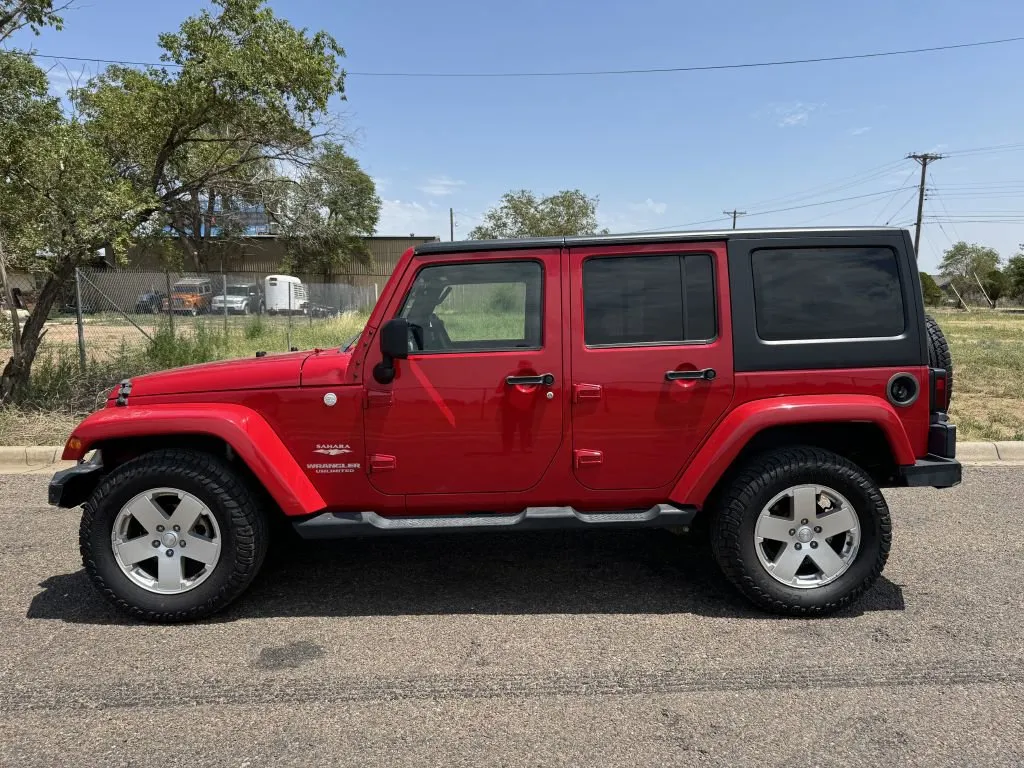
[988,361]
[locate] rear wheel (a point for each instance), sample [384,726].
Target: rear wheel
[172,536]
[802,531]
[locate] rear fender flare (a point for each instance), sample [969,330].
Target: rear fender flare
[249,435]
[719,451]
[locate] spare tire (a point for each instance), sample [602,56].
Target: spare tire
[938,352]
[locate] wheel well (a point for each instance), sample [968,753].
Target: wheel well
[117,451]
[863,443]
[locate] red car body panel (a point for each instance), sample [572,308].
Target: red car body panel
[746,420]
[270,372]
[245,430]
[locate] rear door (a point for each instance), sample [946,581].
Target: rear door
[651,357]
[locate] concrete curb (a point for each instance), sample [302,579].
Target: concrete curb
[21,458]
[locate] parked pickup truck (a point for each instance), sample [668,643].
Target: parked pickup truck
[763,384]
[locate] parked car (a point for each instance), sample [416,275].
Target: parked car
[285,295]
[765,384]
[190,296]
[241,299]
[150,302]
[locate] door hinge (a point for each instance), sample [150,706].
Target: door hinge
[378,398]
[380,462]
[587,458]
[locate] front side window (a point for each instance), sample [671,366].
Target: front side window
[485,306]
[630,300]
[827,293]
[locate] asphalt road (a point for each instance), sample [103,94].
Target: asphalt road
[541,649]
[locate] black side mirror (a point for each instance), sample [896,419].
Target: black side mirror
[394,345]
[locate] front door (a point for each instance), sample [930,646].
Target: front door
[652,368]
[477,406]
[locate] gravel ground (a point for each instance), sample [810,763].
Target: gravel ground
[531,649]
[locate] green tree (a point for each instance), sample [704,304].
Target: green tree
[1015,276]
[34,14]
[326,213]
[522,214]
[932,292]
[61,202]
[995,284]
[963,261]
[244,98]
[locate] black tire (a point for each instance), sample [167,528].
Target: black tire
[733,525]
[938,352]
[245,309]
[242,521]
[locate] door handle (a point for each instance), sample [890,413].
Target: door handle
[545,379]
[704,374]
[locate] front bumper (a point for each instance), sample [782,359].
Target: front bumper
[932,471]
[71,487]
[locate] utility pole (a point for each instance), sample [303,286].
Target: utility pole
[923,159]
[451,222]
[734,213]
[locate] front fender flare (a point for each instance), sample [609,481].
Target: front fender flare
[249,435]
[741,425]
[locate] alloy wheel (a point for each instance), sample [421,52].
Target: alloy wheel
[166,541]
[807,536]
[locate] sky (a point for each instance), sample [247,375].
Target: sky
[802,145]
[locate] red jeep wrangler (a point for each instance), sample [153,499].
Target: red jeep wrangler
[768,381]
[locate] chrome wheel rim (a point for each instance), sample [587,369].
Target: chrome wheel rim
[166,541]
[807,536]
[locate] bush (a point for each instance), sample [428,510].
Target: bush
[503,300]
[255,328]
[932,292]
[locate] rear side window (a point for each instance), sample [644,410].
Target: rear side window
[827,293]
[648,300]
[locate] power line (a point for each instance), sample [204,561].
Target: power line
[780,210]
[889,201]
[900,209]
[601,72]
[734,213]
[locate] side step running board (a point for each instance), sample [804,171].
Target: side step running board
[333,525]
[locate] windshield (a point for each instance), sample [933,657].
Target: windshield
[186,289]
[238,290]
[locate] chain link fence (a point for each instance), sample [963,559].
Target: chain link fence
[105,313]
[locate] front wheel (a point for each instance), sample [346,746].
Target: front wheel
[802,531]
[173,535]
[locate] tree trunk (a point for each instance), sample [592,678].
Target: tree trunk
[16,373]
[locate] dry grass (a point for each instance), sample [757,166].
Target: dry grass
[988,361]
[21,427]
[988,355]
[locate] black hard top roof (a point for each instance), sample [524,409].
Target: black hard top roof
[644,237]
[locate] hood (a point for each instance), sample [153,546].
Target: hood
[270,372]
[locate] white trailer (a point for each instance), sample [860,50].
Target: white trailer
[285,294]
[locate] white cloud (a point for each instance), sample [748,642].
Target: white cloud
[859,131]
[791,114]
[441,185]
[649,206]
[407,217]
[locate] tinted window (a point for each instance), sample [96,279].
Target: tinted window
[826,293]
[476,307]
[648,300]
